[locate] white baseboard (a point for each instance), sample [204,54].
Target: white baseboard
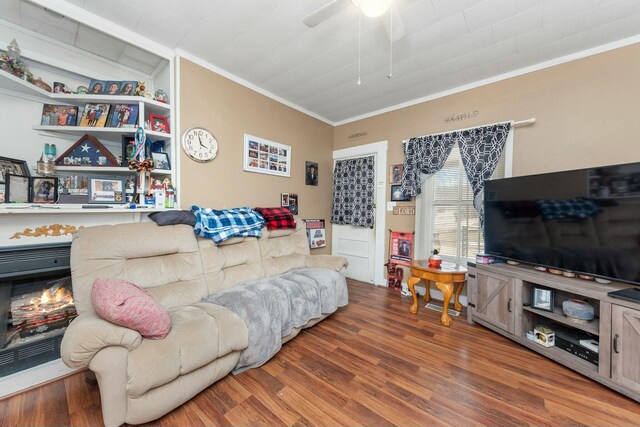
[32,377]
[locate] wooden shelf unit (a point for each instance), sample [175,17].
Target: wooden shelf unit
[499,299]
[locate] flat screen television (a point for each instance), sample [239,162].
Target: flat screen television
[586,221]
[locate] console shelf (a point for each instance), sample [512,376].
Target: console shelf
[500,299]
[592,327]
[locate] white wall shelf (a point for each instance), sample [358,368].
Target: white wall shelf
[81,130]
[91,170]
[30,208]
[15,85]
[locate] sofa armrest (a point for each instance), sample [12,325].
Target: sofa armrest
[330,262]
[88,334]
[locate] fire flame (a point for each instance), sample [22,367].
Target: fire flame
[53,299]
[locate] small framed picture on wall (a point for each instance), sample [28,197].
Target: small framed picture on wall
[397,195]
[284,200]
[264,156]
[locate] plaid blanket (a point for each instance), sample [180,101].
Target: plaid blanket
[277,218]
[577,208]
[221,225]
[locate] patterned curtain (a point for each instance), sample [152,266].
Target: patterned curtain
[423,157]
[480,149]
[354,192]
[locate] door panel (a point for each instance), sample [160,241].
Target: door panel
[494,300]
[625,349]
[357,245]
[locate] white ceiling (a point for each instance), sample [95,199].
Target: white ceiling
[448,43]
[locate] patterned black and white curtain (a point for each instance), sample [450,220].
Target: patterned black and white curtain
[480,149]
[354,192]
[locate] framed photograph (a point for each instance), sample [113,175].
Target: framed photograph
[2,193]
[97,87]
[17,188]
[95,115]
[59,115]
[161,161]
[113,88]
[159,123]
[293,203]
[284,200]
[128,88]
[264,156]
[12,166]
[311,173]
[542,298]
[397,196]
[395,174]
[44,190]
[106,189]
[124,116]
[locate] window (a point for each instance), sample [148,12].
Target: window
[447,210]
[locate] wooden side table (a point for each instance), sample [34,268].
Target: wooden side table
[445,277]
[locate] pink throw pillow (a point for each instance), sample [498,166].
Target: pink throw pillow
[128,305]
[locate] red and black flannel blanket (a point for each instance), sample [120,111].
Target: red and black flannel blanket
[275,218]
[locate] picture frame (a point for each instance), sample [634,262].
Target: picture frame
[97,87]
[2,193]
[124,116]
[59,115]
[107,190]
[12,166]
[395,173]
[310,173]
[87,151]
[128,88]
[95,115]
[17,188]
[44,189]
[272,158]
[159,123]
[112,88]
[284,200]
[293,204]
[542,298]
[161,161]
[397,196]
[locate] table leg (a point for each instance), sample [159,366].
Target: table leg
[411,283]
[447,290]
[456,300]
[427,286]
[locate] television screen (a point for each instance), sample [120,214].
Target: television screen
[586,221]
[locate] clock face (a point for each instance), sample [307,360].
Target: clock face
[200,144]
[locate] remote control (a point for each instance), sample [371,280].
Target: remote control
[95,206]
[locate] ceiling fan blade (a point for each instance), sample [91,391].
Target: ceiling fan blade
[398,27]
[325,12]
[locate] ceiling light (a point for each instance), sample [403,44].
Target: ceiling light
[373,8]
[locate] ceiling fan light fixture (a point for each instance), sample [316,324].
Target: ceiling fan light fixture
[373,8]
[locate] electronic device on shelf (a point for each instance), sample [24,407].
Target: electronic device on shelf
[630,294]
[586,221]
[568,339]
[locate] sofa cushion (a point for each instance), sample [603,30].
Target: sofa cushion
[197,337]
[173,217]
[125,304]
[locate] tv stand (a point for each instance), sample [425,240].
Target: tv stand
[500,299]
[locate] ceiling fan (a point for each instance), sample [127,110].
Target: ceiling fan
[371,8]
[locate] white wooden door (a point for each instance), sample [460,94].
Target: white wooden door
[357,245]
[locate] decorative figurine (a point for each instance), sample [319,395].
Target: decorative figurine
[161,96]
[41,84]
[82,90]
[11,62]
[140,89]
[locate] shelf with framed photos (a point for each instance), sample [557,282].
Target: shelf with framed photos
[116,132]
[92,170]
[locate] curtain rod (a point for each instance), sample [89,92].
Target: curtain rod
[520,123]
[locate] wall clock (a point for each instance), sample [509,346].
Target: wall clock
[200,144]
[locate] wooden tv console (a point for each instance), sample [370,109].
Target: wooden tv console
[500,296]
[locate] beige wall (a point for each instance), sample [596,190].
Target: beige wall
[586,110]
[230,110]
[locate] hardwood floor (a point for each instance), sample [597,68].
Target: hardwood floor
[371,363]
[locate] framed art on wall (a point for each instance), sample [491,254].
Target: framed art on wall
[264,156]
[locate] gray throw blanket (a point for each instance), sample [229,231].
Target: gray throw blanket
[272,307]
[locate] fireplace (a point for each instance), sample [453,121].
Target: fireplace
[36,305]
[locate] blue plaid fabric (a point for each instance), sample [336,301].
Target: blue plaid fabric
[579,208]
[221,225]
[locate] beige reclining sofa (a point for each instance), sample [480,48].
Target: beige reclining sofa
[142,379]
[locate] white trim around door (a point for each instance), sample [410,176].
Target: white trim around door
[379,149]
